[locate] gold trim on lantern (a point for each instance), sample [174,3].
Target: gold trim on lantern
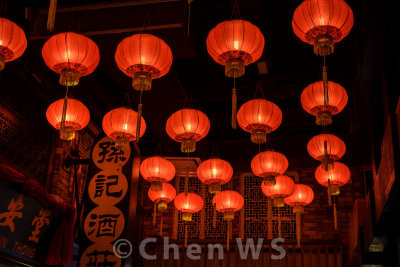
[259,136]
[324,45]
[67,133]
[187,216]
[188,146]
[162,206]
[142,81]
[270,180]
[2,62]
[234,68]
[278,202]
[324,118]
[334,189]
[121,142]
[69,77]
[156,186]
[214,188]
[229,216]
[298,209]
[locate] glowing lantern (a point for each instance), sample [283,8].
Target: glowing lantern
[215,172]
[12,42]
[161,199]
[71,55]
[302,196]
[76,117]
[120,125]
[188,126]
[143,57]
[333,178]
[326,148]
[228,202]
[322,23]
[158,171]
[283,187]
[268,165]
[235,44]
[323,104]
[259,117]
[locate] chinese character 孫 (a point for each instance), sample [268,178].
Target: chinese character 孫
[94,259]
[105,224]
[14,211]
[110,153]
[108,182]
[39,222]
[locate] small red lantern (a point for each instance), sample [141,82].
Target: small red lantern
[259,117]
[158,171]
[71,55]
[120,124]
[324,103]
[77,116]
[143,57]
[12,42]
[188,126]
[283,187]
[188,204]
[326,148]
[214,173]
[322,23]
[268,165]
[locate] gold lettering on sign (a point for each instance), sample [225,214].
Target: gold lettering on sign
[14,211]
[39,222]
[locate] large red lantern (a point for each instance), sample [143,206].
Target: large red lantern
[76,117]
[268,165]
[302,196]
[322,23]
[188,203]
[323,103]
[214,173]
[188,126]
[158,171]
[333,178]
[326,148]
[12,41]
[120,124]
[259,117]
[71,55]
[283,187]
[143,57]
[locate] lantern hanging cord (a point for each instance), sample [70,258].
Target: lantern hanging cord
[188,26]
[236,8]
[259,89]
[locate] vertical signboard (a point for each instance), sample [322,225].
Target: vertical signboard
[105,203]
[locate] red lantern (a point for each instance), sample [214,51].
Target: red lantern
[158,171]
[283,187]
[188,126]
[333,178]
[326,148]
[322,23]
[215,172]
[188,204]
[323,104]
[162,197]
[143,57]
[235,44]
[120,124]
[268,165]
[228,202]
[71,55]
[12,42]
[259,117]
[77,116]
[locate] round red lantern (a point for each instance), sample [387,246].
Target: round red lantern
[302,196]
[322,23]
[77,116]
[268,165]
[235,44]
[162,197]
[259,117]
[323,104]
[333,178]
[283,187]
[188,204]
[188,126]
[71,55]
[326,148]
[120,124]
[214,173]
[12,41]
[143,57]
[228,202]
[158,171]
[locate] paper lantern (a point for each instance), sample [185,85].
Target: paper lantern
[214,173]
[188,204]
[228,202]
[322,23]
[333,178]
[268,165]
[143,57]
[120,124]
[71,55]
[12,42]
[162,197]
[76,117]
[259,117]
[324,105]
[188,126]
[326,148]
[158,171]
[283,187]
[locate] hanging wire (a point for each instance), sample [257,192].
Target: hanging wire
[259,90]
[236,8]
